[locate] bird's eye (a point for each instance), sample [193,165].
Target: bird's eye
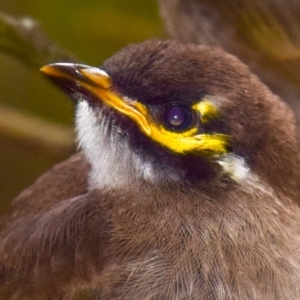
[178,117]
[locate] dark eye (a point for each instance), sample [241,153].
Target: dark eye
[178,117]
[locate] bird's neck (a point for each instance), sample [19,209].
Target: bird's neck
[277,159]
[185,231]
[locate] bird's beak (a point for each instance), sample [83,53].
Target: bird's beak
[85,83]
[96,85]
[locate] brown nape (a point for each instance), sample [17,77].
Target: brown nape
[266,136]
[68,237]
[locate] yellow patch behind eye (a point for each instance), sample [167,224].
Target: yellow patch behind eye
[207,110]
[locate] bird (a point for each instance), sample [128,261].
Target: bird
[187,186]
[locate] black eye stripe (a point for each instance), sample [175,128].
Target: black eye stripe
[177,117]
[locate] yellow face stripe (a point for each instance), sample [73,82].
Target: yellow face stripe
[188,141]
[183,142]
[99,83]
[206,144]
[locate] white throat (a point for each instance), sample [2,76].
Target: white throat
[113,164]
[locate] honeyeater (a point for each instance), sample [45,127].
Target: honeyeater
[187,186]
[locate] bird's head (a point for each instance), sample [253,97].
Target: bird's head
[165,111]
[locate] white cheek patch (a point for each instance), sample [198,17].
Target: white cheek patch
[96,143]
[113,163]
[234,166]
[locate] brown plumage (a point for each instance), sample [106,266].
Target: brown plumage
[151,223]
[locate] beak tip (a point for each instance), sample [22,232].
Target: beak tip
[44,68]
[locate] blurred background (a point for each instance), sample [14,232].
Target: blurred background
[36,120]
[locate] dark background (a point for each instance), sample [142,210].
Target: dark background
[93,30]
